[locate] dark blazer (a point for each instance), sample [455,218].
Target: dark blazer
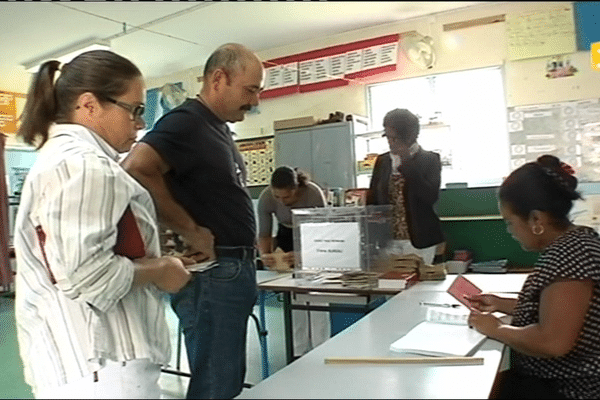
[422,175]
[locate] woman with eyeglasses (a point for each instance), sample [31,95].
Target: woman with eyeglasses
[408,177]
[90,280]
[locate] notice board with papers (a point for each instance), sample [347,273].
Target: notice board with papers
[569,130]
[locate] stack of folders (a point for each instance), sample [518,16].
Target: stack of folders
[444,333]
[397,279]
[489,267]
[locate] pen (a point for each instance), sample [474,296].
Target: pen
[423,303]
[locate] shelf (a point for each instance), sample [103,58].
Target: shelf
[472,218]
[367,135]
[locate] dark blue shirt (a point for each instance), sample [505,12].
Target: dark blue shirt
[207,175]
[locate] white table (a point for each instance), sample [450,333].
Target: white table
[371,336]
[348,299]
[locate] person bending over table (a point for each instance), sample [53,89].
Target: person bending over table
[289,189]
[554,335]
[408,178]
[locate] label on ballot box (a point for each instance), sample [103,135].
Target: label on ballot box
[330,245]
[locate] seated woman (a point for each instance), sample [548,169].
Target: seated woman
[290,189]
[554,334]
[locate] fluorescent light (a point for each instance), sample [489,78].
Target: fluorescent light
[67,54]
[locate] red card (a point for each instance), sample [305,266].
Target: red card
[462,287]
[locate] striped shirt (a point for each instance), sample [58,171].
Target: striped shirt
[77,192]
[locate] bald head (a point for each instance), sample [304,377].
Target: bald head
[230,57]
[232,81]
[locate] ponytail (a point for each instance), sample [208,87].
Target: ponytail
[40,107]
[100,72]
[301,177]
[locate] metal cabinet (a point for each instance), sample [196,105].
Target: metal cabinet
[326,152]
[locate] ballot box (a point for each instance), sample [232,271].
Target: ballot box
[340,239]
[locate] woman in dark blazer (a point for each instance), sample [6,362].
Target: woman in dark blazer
[409,178]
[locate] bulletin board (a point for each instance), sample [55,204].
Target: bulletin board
[258,154]
[569,130]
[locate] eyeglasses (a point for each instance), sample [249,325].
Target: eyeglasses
[136,111]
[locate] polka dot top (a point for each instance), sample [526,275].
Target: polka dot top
[574,255]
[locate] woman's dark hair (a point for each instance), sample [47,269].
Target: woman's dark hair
[546,184]
[288,178]
[404,123]
[101,72]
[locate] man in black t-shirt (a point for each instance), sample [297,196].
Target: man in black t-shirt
[196,175]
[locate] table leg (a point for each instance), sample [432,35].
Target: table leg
[287,323]
[263,337]
[179,335]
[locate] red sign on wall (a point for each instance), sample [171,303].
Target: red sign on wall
[330,67]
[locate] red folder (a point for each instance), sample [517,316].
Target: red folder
[462,287]
[129,240]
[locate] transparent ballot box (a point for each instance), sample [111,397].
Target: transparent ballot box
[340,239]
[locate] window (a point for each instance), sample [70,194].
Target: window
[463,117]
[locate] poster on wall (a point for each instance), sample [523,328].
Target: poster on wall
[540,33]
[8,112]
[258,157]
[289,74]
[330,67]
[568,130]
[560,67]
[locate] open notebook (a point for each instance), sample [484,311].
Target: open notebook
[443,333]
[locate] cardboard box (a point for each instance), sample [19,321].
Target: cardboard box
[294,123]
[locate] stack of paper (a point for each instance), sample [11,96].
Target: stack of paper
[489,267]
[445,333]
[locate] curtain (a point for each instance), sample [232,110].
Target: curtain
[6,274]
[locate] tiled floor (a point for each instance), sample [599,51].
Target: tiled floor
[13,386]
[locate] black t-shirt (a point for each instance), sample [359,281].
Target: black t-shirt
[207,175]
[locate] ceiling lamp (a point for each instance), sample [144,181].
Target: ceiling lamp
[66,54]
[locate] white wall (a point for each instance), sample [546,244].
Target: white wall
[461,49]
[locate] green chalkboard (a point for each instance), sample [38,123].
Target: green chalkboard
[468,202]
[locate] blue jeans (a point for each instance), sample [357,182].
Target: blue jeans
[213,310]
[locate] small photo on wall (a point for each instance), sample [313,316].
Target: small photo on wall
[559,67]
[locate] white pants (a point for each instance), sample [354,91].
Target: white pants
[135,379]
[307,337]
[406,247]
